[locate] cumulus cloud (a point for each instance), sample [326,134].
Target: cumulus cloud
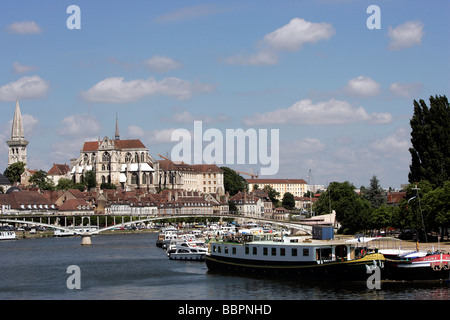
[327,112]
[79,125]
[162,64]
[117,90]
[363,86]
[405,35]
[30,87]
[24,27]
[298,32]
[290,37]
[406,90]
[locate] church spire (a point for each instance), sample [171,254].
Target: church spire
[17,125]
[117,135]
[17,144]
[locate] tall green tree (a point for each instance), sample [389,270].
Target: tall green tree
[374,193]
[233,182]
[14,171]
[352,211]
[430,139]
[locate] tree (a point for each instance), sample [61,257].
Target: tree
[64,184]
[374,194]
[352,211]
[272,194]
[430,139]
[233,182]
[436,205]
[39,179]
[90,180]
[14,171]
[381,217]
[288,201]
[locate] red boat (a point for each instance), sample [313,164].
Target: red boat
[432,266]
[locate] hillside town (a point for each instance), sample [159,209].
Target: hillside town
[128,180]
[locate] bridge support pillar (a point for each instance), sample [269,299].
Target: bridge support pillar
[86,239]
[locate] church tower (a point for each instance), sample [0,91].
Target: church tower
[17,144]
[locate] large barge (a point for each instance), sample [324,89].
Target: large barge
[294,256]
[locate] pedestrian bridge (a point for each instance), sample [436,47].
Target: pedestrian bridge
[86,231]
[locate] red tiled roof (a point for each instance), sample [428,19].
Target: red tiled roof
[118,144]
[58,170]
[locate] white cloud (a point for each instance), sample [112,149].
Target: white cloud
[406,90]
[21,69]
[328,112]
[117,90]
[298,32]
[363,86]
[290,37]
[393,144]
[79,125]
[30,87]
[162,64]
[24,27]
[406,35]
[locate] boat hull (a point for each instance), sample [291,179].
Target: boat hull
[187,256]
[353,270]
[429,268]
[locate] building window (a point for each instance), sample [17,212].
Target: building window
[106,157]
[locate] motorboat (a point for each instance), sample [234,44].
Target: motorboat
[8,235]
[188,253]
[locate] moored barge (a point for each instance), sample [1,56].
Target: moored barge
[293,256]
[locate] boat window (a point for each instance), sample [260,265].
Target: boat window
[306,252]
[255,250]
[294,252]
[282,251]
[214,249]
[247,250]
[265,251]
[233,250]
[226,250]
[274,251]
[219,249]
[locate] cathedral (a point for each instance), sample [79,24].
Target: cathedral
[126,164]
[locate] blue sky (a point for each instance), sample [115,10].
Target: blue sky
[340,94]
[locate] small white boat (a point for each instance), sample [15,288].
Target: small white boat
[8,235]
[188,253]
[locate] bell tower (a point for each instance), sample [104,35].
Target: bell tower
[17,144]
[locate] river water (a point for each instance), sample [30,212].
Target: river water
[130,266]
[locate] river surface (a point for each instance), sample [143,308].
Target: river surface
[130,266]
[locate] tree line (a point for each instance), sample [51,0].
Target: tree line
[426,206]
